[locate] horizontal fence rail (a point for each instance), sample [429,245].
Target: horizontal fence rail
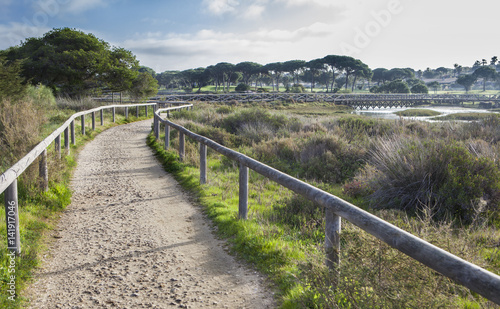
[469,275]
[8,179]
[354,100]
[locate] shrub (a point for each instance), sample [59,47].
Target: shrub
[413,173]
[242,87]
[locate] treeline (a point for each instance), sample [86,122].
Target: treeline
[332,73]
[75,64]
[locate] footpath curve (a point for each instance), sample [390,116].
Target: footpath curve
[132,239]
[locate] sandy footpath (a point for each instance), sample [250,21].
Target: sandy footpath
[132,239]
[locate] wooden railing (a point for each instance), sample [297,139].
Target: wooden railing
[8,180]
[473,277]
[356,100]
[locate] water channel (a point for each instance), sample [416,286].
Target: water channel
[389,113]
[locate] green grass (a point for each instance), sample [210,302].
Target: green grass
[284,234]
[417,113]
[40,211]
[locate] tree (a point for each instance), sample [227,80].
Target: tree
[11,83]
[442,71]
[294,67]
[419,88]
[466,81]
[435,85]
[396,86]
[144,86]
[333,62]
[274,70]
[486,73]
[72,62]
[248,69]
[360,70]
[380,75]
[118,72]
[494,60]
[147,70]
[315,67]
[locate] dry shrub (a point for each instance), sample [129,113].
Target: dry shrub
[412,171]
[20,126]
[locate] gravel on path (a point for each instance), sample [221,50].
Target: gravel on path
[131,238]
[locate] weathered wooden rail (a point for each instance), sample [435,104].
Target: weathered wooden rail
[360,101]
[8,180]
[473,277]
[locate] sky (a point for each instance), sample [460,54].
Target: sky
[187,34]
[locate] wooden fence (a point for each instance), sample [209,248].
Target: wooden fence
[8,180]
[473,277]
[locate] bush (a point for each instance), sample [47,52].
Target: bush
[412,173]
[419,88]
[242,87]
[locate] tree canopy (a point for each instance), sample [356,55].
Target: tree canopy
[73,63]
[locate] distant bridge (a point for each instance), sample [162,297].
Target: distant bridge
[361,101]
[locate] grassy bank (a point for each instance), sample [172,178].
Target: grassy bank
[417,113]
[40,211]
[346,156]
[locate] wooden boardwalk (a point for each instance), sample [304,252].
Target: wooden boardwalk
[360,101]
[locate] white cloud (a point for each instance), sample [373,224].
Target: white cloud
[254,11]
[220,7]
[79,6]
[323,3]
[13,33]
[208,47]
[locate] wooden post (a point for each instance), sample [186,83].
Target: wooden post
[57,144]
[102,117]
[203,163]
[332,239]
[83,124]
[66,139]
[114,114]
[93,121]
[137,111]
[181,146]
[126,112]
[167,137]
[243,200]
[12,218]
[43,171]
[156,129]
[146,108]
[73,138]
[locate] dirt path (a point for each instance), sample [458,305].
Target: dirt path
[132,239]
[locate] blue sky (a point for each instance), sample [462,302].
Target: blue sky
[185,34]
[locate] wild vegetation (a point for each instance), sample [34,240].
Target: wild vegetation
[439,181]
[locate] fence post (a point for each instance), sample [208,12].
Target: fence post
[243,194]
[203,163]
[156,129]
[73,139]
[126,112]
[93,121]
[57,144]
[146,110]
[137,111]
[167,137]
[114,114]
[181,146]
[66,140]
[83,124]
[43,171]
[12,218]
[102,117]
[332,239]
